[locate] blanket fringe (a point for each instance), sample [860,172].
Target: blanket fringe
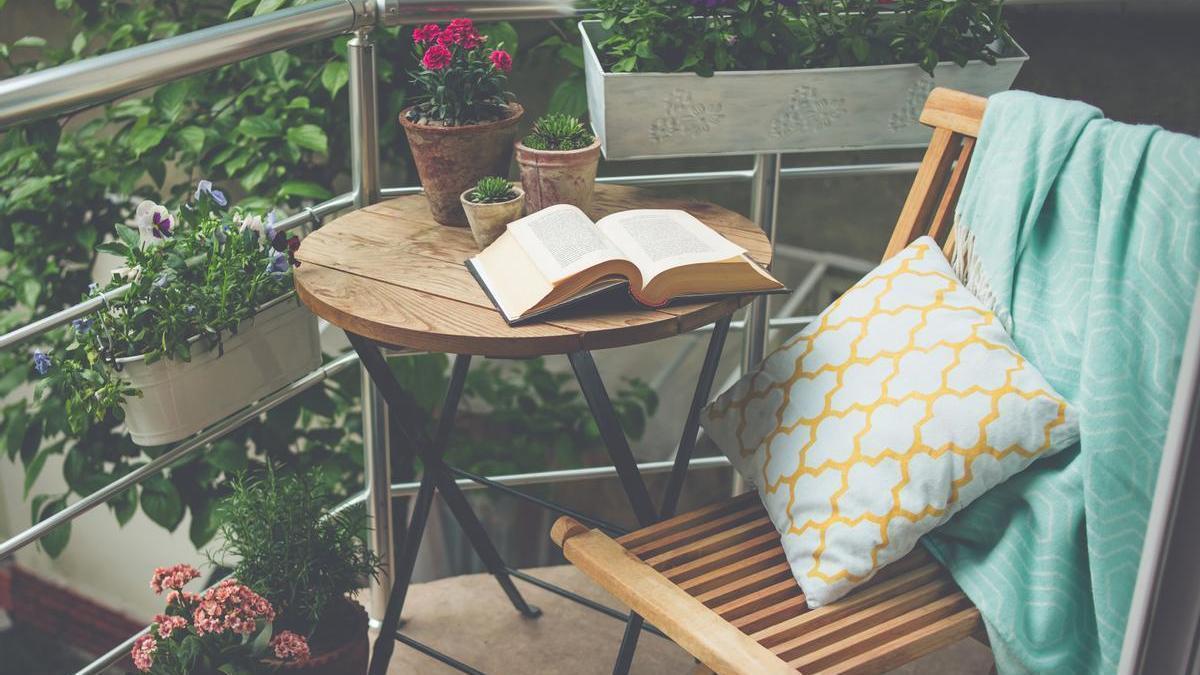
[970,272]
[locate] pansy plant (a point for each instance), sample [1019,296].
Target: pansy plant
[197,273]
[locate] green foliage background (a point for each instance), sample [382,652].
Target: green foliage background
[270,131]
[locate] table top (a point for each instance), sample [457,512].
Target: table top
[389,273]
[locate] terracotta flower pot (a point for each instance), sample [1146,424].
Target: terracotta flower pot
[345,651]
[488,221]
[558,176]
[452,159]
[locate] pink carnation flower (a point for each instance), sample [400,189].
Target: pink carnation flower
[501,60]
[143,653]
[174,577]
[231,606]
[436,57]
[290,646]
[426,34]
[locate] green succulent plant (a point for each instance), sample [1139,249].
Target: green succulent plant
[558,131]
[492,190]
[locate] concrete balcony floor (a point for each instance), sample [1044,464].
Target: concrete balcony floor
[469,618]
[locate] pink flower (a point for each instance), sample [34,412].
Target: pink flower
[290,646]
[460,32]
[174,577]
[169,624]
[231,606]
[143,653]
[184,598]
[436,57]
[501,60]
[426,34]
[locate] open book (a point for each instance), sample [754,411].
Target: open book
[558,256]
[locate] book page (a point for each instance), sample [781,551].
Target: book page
[562,241]
[660,239]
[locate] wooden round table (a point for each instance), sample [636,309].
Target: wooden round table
[389,273]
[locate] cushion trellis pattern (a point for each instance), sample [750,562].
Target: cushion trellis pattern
[903,402]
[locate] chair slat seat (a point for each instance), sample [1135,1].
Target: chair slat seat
[716,579]
[729,559]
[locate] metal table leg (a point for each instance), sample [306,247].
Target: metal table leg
[622,458]
[408,422]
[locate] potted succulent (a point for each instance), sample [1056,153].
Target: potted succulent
[286,606]
[209,325]
[462,126]
[677,78]
[490,206]
[558,161]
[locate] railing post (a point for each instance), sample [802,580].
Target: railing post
[764,202]
[364,169]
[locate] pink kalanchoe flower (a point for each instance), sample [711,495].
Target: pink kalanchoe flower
[426,34]
[169,624]
[290,647]
[436,57]
[231,606]
[183,598]
[173,577]
[501,60]
[143,653]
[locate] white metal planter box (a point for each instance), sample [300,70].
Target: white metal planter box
[276,346]
[655,115]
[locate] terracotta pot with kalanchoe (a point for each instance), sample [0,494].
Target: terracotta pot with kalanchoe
[209,324]
[558,161]
[462,127]
[287,605]
[491,205]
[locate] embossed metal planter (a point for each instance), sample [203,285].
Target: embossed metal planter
[655,115]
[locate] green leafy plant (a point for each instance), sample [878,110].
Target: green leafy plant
[281,537]
[195,274]
[492,190]
[704,36]
[461,81]
[558,131]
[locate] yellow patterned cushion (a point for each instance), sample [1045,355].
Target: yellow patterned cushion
[903,402]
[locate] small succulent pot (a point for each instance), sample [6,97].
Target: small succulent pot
[451,159]
[489,220]
[558,176]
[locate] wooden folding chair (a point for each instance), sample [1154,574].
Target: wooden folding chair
[715,580]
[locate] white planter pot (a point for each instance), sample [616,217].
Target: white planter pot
[656,115]
[273,348]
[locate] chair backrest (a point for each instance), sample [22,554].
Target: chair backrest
[955,117]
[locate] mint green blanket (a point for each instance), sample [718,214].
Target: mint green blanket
[1084,235]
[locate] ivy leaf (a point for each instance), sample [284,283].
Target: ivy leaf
[501,35]
[569,97]
[145,138]
[54,542]
[30,187]
[34,468]
[78,44]
[309,137]
[266,6]
[334,76]
[124,506]
[192,137]
[171,98]
[228,456]
[255,176]
[30,441]
[238,6]
[204,524]
[259,126]
[15,424]
[303,188]
[162,503]
[280,61]
[30,41]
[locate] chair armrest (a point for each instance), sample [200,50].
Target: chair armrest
[696,628]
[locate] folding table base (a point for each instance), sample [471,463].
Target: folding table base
[407,422]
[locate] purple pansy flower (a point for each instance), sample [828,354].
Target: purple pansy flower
[162,280]
[278,265]
[82,325]
[205,187]
[269,228]
[41,362]
[162,225]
